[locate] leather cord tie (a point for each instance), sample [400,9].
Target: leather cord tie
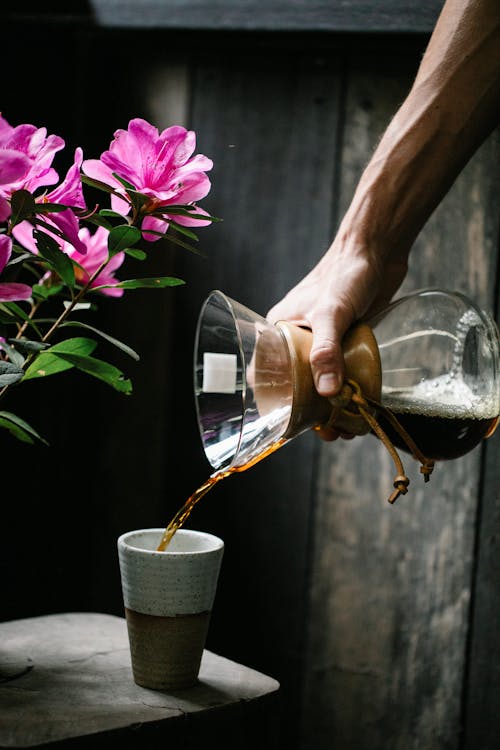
[352,400]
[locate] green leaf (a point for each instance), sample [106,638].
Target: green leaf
[14,356]
[45,365]
[109,212]
[153,283]
[50,228]
[15,312]
[15,259]
[125,183]
[40,291]
[17,348]
[168,237]
[185,245]
[22,206]
[122,237]
[134,252]
[19,428]
[16,431]
[138,200]
[6,315]
[183,230]
[6,319]
[97,184]
[115,342]
[59,261]
[167,210]
[100,370]
[77,345]
[50,208]
[27,346]
[49,362]
[11,313]
[9,373]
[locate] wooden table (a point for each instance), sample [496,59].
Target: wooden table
[66,682]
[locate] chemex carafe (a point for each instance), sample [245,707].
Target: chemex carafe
[422,375]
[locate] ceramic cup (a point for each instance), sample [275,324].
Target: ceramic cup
[168,598]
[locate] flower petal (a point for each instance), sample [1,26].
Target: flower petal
[13,165]
[155,224]
[12,292]
[5,250]
[70,191]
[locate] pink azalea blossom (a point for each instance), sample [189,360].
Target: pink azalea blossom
[13,165]
[10,292]
[96,253]
[68,193]
[159,165]
[32,168]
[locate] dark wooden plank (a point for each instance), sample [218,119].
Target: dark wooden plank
[482,723]
[243,15]
[270,125]
[391,586]
[482,693]
[274,15]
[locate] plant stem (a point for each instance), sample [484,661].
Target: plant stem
[65,313]
[68,310]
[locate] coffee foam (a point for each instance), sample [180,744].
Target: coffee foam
[441,397]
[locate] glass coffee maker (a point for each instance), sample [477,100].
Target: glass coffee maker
[422,375]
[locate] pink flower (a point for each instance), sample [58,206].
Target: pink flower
[12,165]
[160,166]
[32,168]
[68,193]
[96,253]
[10,292]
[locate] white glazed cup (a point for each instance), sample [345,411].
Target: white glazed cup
[168,598]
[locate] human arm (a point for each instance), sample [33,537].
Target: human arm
[453,104]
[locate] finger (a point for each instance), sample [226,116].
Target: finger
[326,433]
[327,361]
[280,312]
[330,433]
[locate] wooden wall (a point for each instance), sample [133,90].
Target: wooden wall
[380,622]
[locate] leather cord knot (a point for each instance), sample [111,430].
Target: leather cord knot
[426,469]
[341,403]
[352,401]
[400,484]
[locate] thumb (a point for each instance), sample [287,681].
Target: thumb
[326,358]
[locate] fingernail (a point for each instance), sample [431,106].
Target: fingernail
[327,383]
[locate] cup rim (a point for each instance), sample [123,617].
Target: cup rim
[218,543]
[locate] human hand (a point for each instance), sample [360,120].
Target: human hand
[346,285]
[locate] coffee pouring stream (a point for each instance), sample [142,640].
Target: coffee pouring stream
[422,375]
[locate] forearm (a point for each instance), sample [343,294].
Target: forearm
[452,106]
